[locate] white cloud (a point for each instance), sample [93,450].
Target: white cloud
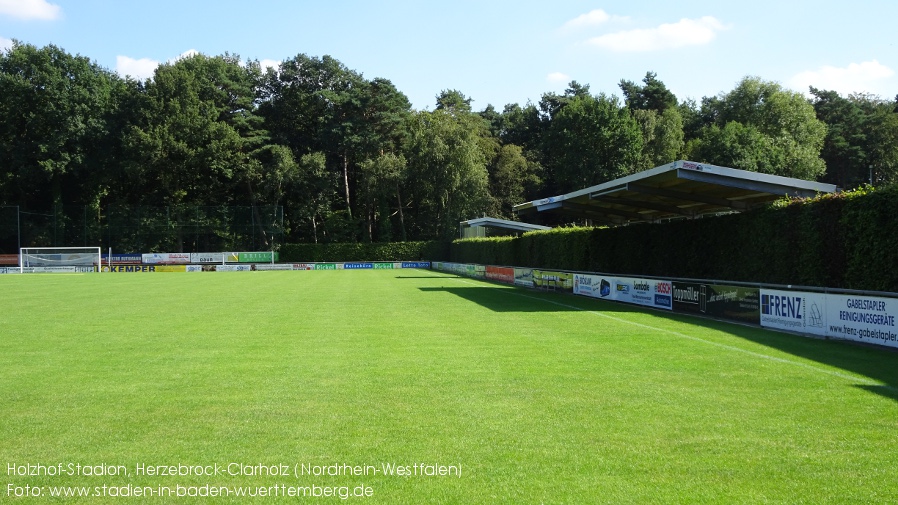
[866,77]
[138,69]
[5,44]
[558,78]
[685,32]
[186,54]
[592,18]
[30,9]
[273,64]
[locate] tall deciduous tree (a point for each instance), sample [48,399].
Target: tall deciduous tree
[447,176]
[56,112]
[590,140]
[762,127]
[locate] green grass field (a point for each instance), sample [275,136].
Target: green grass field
[533,397]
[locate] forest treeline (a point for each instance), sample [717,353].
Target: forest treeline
[350,160]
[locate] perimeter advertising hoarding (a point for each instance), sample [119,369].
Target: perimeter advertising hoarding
[123,259]
[646,292]
[862,319]
[553,281]
[214,257]
[593,286]
[794,311]
[146,268]
[258,257]
[523,277]
[415,264]
[500,274]
[166,258]
[733,303]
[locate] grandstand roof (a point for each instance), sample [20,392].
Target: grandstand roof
[477,227]
[682,189]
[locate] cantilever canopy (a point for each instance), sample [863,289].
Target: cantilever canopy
[478,227]
[682,189]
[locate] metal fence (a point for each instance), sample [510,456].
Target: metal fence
[144,229]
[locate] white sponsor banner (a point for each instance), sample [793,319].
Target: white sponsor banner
[166,258]
[862,318]
[233,268]
[273,266]
[303,266]
[194,268]
[794,311]
[646,292]
[594,286]
[216,257]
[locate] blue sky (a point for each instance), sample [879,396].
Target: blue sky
[494,51]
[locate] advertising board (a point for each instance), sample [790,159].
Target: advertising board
[553,281]
[123,259]
[523,277]
[415,264]
[862,318]
[325,266]
[646,292]
[593,286]
[166,258]
[272,266]
[358,266]
[145,268]
[258,257]
[733,303]
[794,311]
[500,274]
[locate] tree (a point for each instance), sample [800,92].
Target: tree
[447,177]
[768,118]
[318,105]
[590,140]
[512,177]
[55,116]
[652,95]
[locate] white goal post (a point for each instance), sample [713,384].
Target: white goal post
[60,259]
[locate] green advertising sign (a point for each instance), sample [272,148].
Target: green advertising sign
[257,257]
[325,266]
[383,266]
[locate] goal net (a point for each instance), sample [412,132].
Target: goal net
[59,259]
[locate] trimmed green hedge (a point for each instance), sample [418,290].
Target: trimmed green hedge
[391,251]
[846,240]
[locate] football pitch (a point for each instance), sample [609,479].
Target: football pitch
[413,386]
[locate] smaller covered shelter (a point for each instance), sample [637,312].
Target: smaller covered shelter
[491,226]
[682,189]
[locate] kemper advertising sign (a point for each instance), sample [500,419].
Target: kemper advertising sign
[794,311]
[734,303]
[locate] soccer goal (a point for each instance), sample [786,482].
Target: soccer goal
[60,259]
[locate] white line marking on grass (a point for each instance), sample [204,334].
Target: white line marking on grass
[865,381]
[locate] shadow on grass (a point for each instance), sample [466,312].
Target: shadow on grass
[876,363]
[507,298]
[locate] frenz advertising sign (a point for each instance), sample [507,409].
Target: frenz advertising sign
[793,311]
[734,303]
